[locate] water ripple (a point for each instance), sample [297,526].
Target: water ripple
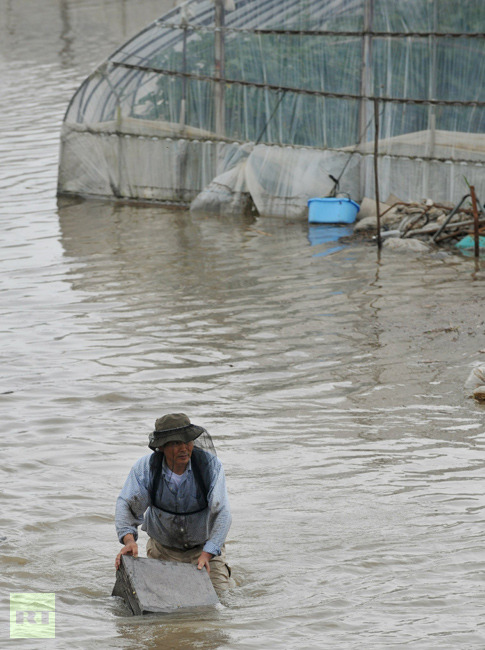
[332,383]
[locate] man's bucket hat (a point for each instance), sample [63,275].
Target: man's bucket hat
[174,427]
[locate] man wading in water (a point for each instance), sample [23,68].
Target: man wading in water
[178,494]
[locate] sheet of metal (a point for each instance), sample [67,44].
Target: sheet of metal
[154,586]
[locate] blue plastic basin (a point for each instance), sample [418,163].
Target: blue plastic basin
[332,210]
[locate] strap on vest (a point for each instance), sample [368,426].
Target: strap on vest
[200,481]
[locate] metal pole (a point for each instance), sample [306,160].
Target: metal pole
[184,79]
[219,91]
[365,81]
[475,221]
[432,86]
[376,170]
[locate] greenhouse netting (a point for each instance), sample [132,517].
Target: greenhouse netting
[223,103]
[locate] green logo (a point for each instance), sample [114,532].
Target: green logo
[32,616]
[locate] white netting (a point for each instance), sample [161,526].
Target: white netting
[157,122]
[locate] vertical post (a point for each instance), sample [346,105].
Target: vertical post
[365,80]
[376,170]
[184,78]
[219,92]
[432,92]
[119,119]
[475,221]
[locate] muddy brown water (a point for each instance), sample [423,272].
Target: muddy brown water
[333,384]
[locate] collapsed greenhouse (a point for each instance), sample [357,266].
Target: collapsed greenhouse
[225,103]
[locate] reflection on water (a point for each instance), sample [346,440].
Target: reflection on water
[332,384]
[325,233]
[181,632]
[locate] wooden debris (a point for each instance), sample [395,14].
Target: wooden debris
[151,586]
[433,223]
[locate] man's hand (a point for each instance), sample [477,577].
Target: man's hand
[130,548]
[204,559]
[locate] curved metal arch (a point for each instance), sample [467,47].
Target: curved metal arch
[248,13]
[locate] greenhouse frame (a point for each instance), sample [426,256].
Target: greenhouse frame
[225,104]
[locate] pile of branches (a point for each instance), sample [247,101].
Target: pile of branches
[429,221]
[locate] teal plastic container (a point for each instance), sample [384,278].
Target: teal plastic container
[469,242]
[332,210]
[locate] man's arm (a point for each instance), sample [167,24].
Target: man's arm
[130,508]
[220,520]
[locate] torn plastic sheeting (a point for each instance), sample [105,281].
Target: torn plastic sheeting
[226,194]
[281,180]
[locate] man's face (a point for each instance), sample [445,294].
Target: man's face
[177,455]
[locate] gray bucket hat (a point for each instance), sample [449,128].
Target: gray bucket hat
[173,427]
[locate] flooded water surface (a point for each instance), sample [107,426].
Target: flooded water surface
[333,384]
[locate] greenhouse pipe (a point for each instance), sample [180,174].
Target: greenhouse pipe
[431,143]
[184,79]
[449,217]
[456,233]
[300,91]
[219,91]
[330,32]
